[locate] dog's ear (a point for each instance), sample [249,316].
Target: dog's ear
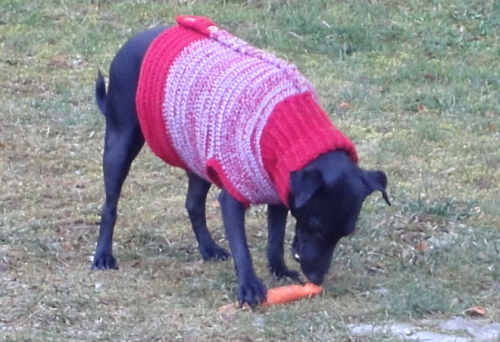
[375,180]
[304,183]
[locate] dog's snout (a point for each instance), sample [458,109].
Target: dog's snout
[315,278]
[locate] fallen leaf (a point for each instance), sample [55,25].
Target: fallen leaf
[492,128]
[430,76]
[421,247]
[68,247]
[430,55]
[231,308]
[228,308]
[490,113]
[374,269]
[410,238]
[59,62]
[421,107]
[2,145]
[345,106]
[476,311]
[199,263]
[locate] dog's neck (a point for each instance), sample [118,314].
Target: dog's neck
[298,132]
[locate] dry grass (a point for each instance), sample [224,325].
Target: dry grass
[422,81]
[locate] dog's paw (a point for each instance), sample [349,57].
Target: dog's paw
[215,253]
[283,272]
[104,262]
[252,293]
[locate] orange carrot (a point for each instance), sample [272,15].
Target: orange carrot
[290,293]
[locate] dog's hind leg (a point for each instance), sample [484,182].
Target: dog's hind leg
[120,150]
[195,205]
[123,141]
[124,138]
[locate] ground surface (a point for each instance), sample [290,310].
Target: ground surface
[414,83]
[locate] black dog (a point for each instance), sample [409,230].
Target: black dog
[325,196]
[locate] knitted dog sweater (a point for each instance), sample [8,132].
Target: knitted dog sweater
[235,115]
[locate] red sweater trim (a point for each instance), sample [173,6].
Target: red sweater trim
[218,176]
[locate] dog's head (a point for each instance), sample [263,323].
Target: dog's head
[326,198]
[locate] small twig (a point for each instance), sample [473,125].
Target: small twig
[296,35]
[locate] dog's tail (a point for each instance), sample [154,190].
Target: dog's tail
[100,92]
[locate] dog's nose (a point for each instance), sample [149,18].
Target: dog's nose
[315,278]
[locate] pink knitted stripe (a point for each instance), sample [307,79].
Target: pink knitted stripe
[287,69]
[219,94]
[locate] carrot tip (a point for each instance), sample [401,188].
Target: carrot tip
[290,293]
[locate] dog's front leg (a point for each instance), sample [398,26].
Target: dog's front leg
[276,226]
[250,289]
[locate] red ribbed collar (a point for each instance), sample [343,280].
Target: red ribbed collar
[297,132]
